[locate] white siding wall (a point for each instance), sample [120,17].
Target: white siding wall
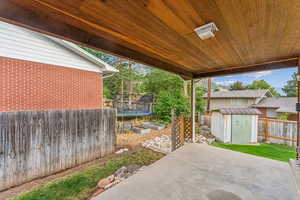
[217,126]
[20,43]
[231,103]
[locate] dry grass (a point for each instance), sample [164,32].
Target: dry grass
[133,140]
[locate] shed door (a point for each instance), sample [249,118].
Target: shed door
[241,129]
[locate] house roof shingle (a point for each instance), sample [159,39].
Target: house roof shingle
[239,111]
[284,104]
[239,94]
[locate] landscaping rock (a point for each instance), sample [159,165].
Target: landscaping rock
[121,151]
[202,139]
[162,144]
[120,173]
[103,182]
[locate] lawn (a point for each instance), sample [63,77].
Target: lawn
[81,185]
[272,151]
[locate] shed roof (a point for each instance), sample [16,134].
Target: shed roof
[240,94]
[239,111]
[254,35]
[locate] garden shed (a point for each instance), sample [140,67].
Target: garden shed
[235,125]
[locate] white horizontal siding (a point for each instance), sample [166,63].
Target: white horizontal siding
[20,43]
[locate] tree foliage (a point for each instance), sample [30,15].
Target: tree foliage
[238,85]
[158,81]
[200,102]
[262,84]
[290,89]
[168,90]
[167,101]
[126,75]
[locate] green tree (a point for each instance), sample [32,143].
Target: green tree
[157,81]
[290,89]
[167,101]
[168,90]
[200,102]
[126,76]
[262,84]
[238,85]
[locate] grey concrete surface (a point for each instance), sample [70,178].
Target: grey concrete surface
[295,167]
[202,172]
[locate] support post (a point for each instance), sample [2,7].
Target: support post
[193,109]
[208,95]
[298,114]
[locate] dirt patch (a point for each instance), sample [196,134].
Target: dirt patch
[133,140]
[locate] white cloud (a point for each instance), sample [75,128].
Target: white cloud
[259,74]
[225,83]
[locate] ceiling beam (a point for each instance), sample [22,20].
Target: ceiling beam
[279,64]
[13,13]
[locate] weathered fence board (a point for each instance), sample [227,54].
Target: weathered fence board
[39,143]
[278,131]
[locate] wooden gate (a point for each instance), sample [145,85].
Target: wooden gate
[181,131]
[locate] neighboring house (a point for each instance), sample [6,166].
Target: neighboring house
[273,107]
[39,72]
[237,98]
[269,106]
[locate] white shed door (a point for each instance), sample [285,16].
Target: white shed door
[241,129]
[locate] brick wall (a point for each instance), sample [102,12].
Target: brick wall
[26,85]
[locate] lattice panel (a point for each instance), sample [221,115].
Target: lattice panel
[188,134]
[176,134]
[181,131]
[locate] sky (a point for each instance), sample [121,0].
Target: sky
[276,78]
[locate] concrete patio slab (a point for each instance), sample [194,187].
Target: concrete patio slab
[202,172]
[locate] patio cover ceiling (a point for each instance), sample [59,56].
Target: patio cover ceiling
[254,35]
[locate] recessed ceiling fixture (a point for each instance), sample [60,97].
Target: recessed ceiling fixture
[206,31]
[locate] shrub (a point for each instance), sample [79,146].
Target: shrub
[284,116]
[166,101]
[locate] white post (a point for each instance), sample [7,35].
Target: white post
[193,109]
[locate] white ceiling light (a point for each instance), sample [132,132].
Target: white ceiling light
[206,31]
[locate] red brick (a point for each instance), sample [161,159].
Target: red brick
[27,85]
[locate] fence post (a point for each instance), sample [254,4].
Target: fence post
[266,123]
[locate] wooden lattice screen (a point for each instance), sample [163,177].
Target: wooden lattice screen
[181,131]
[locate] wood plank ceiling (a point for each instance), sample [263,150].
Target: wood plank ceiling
[254,34]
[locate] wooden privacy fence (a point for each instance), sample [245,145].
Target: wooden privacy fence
[181,131]
[277,131]
[38,143]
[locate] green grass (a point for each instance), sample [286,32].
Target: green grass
[82,184]
[272,151]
